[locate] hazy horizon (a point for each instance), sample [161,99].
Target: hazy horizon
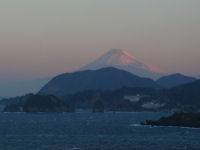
[45,38]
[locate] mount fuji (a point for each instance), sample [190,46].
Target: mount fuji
[123,60]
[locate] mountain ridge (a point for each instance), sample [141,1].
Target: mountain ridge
[123,60]
[173,80]
[105,78]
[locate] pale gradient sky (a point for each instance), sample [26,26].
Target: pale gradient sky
[40,38]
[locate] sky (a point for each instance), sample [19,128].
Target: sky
[43,38]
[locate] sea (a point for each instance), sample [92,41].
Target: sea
[92,131]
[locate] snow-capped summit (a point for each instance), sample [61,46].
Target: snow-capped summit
[117,57]
[123,60]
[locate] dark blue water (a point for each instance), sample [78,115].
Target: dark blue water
[88,131]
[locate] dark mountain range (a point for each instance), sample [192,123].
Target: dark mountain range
[174,80]
[37,103]
[181,98]
[187,94]
[123,99]
[19,100]
[102,79]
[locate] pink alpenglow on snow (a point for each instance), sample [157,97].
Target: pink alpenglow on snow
[123,60]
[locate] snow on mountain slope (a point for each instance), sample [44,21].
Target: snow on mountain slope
[123,60]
